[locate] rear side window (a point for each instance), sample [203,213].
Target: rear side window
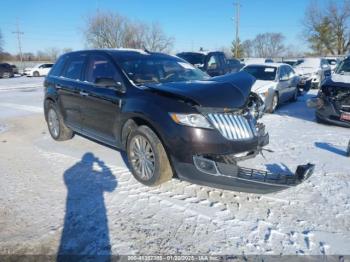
[100,66]
[58,66]
[74,67]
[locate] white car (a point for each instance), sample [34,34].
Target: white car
[38,70]
[316,69]
[275,83]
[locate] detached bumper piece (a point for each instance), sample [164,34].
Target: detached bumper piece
[252,180]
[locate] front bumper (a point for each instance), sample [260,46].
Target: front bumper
[326,112]
[233,177]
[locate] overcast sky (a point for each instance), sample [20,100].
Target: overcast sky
[193,23]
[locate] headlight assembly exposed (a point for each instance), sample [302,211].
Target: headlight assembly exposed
[194,120]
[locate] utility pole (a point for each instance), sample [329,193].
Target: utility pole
[237,19]
[19,33]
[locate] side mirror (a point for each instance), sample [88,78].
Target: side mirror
[110,84]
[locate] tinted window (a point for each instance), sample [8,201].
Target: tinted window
[213,62]
[100,66]
[193,58]
[144,69]
[283,72]
[344,67]
[58,66]
[74,67]
[262,72]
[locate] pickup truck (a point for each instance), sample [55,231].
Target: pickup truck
[213,63]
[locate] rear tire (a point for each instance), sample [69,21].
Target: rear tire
[58,130]
[147,157]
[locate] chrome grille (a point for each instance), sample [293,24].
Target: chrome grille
[232,126]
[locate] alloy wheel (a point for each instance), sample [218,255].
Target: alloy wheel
[142,157]
[54,124]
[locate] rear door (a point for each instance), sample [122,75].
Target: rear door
[101,106]
[69,86]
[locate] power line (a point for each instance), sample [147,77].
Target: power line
[19,33]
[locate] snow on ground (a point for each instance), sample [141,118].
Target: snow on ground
[80,196]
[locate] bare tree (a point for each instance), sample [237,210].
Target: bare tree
[268,45]
[111,30]
[327,30]
[53,53]
[247,46]
[156,40]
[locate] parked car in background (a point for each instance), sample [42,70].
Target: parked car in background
[253,60]
[314,69]
[38,70]
[235,64]
[15,69]
[333,99]
[292,62]
[213,63]
[333,62]
[276,83]
[170,117]
[6,70]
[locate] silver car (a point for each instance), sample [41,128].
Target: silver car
[276,83]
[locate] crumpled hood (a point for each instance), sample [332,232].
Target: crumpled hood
[261,86]
[228,91]
[337,81]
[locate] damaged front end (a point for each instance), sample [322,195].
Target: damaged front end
[332,103]
[241,127]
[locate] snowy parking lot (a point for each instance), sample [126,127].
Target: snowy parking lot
[62,195]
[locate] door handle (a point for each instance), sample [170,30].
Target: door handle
[82,93]
[58,86]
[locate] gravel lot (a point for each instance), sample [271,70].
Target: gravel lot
[78,196]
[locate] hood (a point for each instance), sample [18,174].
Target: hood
[338,81]
[261,86]
[228,91]
[305,70]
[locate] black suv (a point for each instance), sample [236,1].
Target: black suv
[172,119]
[6,70]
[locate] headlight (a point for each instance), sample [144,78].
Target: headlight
[194,120]
[264,94]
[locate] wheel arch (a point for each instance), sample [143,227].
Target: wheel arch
[134,123]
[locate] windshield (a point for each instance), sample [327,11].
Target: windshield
[161,70]
[343,68]
[194,59]
[266,73]
[310,63]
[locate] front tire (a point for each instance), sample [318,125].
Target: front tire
[147,157]
[36,74]
[58,130]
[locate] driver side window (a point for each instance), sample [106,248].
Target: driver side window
[283,74]
[213,63]
[101,67]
